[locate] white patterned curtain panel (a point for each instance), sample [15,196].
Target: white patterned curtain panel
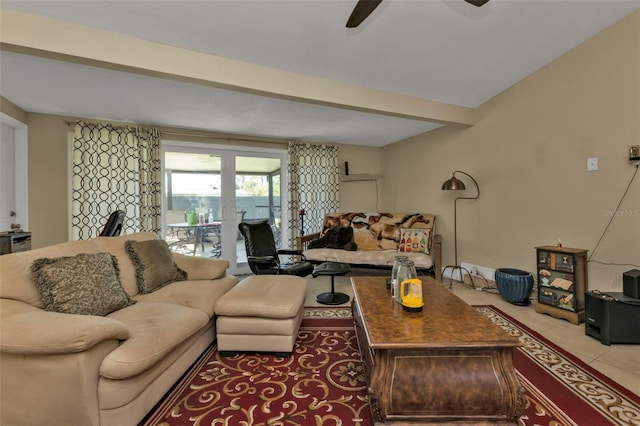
[313,186]
[114,168]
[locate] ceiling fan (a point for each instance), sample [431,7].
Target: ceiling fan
[365,7]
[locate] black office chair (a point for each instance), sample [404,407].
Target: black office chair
[262,254]
[114,224]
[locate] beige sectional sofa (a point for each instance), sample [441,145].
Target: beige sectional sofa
[375,239]
[72,369]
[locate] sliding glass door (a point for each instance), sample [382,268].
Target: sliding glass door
[218,187]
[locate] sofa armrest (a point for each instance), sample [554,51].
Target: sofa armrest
[201,268]
[303,241]
[27,330]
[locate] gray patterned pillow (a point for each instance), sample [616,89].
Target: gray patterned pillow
[154,264]
[85,284]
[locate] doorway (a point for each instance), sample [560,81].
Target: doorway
[13,174]
[220,187]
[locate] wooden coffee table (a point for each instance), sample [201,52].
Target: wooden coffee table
[448,363]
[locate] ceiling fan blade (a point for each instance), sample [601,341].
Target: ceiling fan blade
[477,3]
[361,11]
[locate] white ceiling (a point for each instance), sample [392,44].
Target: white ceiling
[442,50]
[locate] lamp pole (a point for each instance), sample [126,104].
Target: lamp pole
[457,185]
[301,213]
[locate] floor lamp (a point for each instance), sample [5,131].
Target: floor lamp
[455,184]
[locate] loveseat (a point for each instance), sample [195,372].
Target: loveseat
[101,367]
[375,239]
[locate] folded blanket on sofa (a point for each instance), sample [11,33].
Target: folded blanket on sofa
[338,238]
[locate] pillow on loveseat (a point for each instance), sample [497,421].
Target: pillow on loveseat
[414,240]
[154,264]
[338,238]
[85,284]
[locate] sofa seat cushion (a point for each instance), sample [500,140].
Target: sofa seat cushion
[366,257]
[197,294]
[26,330]
[156,329]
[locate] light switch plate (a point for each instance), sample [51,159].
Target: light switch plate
[592,164]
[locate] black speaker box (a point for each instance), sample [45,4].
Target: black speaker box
[612,317]
[631,283]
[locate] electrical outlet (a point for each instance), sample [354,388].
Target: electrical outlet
[478,271]
[452,274]
[470,269]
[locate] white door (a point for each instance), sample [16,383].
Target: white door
[13,174]
[225,186]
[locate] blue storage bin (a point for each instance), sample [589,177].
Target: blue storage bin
[514,285]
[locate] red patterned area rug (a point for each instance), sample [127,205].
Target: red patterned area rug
[322,383]
[561,389]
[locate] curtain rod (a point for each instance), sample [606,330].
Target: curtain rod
[186,134]
[225,138]
[196,135]
[115,126]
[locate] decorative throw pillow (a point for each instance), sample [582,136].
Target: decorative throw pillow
[85,284]
[338,238]
[414,240]
[154,264]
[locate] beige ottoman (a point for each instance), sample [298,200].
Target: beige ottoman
[262,313]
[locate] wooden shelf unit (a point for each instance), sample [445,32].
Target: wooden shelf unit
[562,282]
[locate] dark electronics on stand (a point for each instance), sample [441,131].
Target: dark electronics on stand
[612,317]
[346,168]
[631,283]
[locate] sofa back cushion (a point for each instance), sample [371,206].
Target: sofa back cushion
[381,231]
[16,279]
[115,246]
[17,282]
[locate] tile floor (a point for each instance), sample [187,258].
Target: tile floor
[619,362]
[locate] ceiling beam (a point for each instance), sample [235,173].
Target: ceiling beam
[55,39]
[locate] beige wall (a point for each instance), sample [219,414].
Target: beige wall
[48,179]
[365,195]
[528,153]
[48,173]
